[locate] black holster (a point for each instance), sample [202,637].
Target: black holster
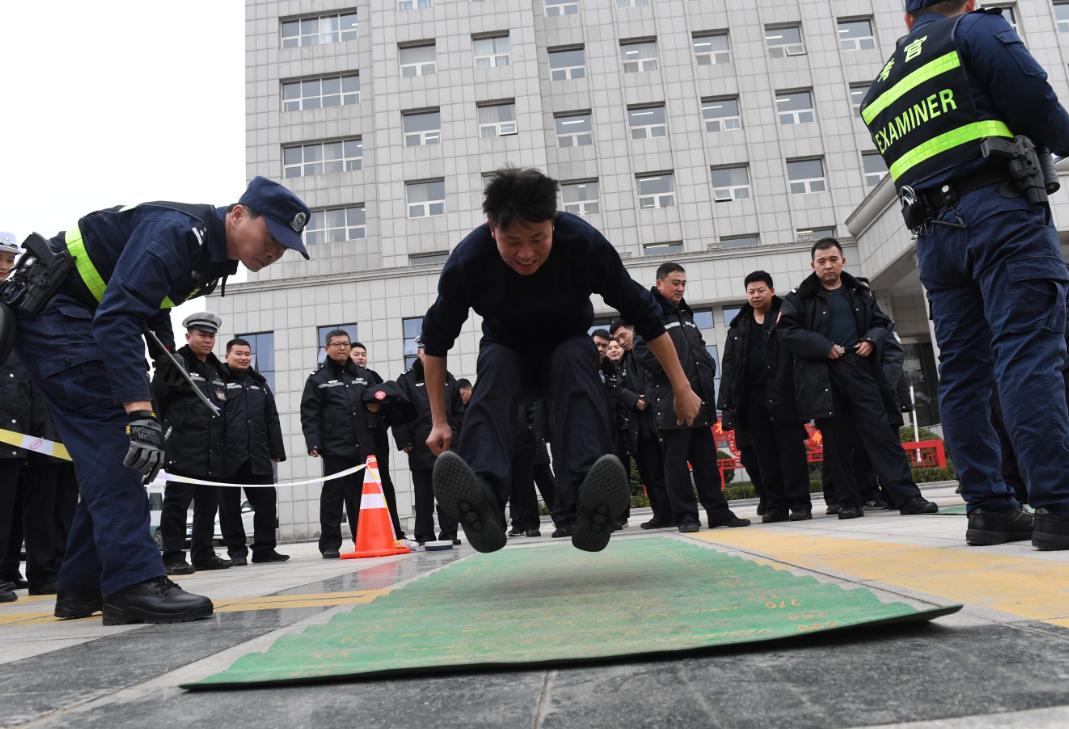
[37,277]
[1023,164]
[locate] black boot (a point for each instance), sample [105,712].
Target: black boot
[78,603]
[1051,530]
[987,527]
[155,601]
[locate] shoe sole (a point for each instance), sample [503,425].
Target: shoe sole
[118,616]
[172,573]
[1050,542]
[463,497]
[987,538]
[602,498]
[82,611]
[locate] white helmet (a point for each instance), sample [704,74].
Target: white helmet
[8,243]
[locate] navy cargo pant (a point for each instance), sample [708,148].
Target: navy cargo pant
[109,547]
[996,284]
[579,421]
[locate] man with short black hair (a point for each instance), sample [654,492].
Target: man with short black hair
[757,399]
[529,271]
[833,327]
[686,442]
[252,445]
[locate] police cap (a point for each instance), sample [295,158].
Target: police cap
[8,243]
[285,213]
[206,321]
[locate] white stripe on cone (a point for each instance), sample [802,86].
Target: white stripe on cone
[372,501]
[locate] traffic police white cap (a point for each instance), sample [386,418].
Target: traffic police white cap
[8,243]
[206,321]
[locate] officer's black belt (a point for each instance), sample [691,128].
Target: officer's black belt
[951,192]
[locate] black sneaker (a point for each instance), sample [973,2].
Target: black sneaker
[180,568]
[71,604]
[7,593]
[833,510]
[532,533]
[988,526]
[269,556]
[875,505]
[801,515]
[655,524]
[1051,530]
[16,580]
[215,562]
[238,560]
[516,532]
[155,601]
[562,531]
[918,505]
[603,496]
[851,512]
[774,515]
[331,554]
[466,498]
[688,526]
[728,520]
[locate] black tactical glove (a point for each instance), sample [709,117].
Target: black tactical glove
[146,444]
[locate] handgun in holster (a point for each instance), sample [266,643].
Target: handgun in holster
[915,208]
[37,276]
[1031,172]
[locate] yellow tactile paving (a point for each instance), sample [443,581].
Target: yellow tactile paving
[1029,588]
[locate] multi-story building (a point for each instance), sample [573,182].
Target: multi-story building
[720,133]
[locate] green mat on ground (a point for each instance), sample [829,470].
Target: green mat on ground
[956,510]
[554,604]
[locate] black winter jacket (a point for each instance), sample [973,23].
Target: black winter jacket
[636,384]
[698,365]
[779,381]
[333,417]
[193,435]
[253,431]
[414,434]
[804,329]
[15,405]
[619,402]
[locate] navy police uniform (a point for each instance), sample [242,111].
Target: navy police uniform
[989,260]
[85,352]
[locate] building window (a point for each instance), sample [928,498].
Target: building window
[421,127]
[632,3]
[322,158]
[784,40]
[795,107]
[418,60]
[319,30]
[857,95]
[647,122]
[263,354]
[721,115]
[809,235]
[434,258]
[638,56]
[561,7]
[497,119]
[656,191]
[425,198]
[713,48]
[405,5]
[580,197]
[806,176]
[1061,13]
[332,225]
[1009,13]
[320,93]
[731,183]
[856,35]
[573,130]
[703,319]
[567,63]
[662,249]
[321,334]
[729,313]
[491,52]
[411,329]
[874,166]
[740,241]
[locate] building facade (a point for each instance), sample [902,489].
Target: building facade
[719,133]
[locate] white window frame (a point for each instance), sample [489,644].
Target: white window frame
[426,207]
[567,73]
[665,199]
[500,128]
[334,35]
[711,58]
[856,108]
[423,68]
[1012,17]
[784,50]
[807,185]
[795,115]
[723,123]
[746,240]
[1062,24]
[808,235]
[345,98]
[348,163]
[731,193]
[666,248]
[648,131]
[358,230]
[624,4]
[862,43]
[583,208]
[556,9]
[577,138]
[404,6]
[496,58]
[421,137]
[872,178]
[641,64]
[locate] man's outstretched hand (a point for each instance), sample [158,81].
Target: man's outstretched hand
[687,406]
[440,439]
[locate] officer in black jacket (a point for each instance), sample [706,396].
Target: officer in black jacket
[757,399]
[412,439]
[833,327]
[15,411]
[252,445]
[335,427]
[685,443]
[194,446]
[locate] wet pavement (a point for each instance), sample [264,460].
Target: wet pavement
[1002,661]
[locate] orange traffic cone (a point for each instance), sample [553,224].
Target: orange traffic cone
[374,531]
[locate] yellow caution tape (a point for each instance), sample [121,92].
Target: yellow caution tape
[34,444]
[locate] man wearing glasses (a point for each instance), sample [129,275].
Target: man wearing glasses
[335,429]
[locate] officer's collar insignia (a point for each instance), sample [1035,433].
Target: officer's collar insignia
[298,222]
